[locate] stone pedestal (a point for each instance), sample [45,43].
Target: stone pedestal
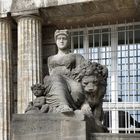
[48,127]
[5,78]
[59,127]
[29,58]
[105,136]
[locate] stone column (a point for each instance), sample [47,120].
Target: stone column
[5,78]
[29,58]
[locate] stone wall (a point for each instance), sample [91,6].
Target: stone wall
[48,46]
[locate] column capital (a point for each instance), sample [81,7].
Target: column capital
[29,16]
[6,20]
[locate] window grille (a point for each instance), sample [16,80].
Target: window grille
[117,47]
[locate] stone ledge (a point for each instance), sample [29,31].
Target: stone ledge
[104,136]
[18,5]
[48,127]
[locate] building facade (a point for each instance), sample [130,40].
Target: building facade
[104,31]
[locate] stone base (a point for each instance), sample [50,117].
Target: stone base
[105,136]
[48,127]
[59,127]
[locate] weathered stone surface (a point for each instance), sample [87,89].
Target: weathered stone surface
[5,7]
[74,84]
[18,5]
[29,58]
[93,12]
[48,127]
[103,136]
[71,13]
[5,78]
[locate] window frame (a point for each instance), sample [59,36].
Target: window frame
[114,106]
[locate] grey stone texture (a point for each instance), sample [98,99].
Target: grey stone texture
[68,13]
[73,84]
[48,48]
[18,5]
[71,13]
[48,127]
[103,136]
[29,58]
[5,78]
[55,126]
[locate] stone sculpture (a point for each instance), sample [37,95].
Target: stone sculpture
[38,105]
[73,84]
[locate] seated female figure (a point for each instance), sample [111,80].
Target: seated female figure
[63,92]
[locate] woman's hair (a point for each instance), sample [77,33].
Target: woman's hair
[61,32]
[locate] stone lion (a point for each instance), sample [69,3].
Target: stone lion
[93,77]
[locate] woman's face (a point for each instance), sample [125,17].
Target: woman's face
[61,42]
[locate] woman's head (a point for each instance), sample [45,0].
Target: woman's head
[61,38]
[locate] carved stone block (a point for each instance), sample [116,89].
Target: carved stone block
[48,127]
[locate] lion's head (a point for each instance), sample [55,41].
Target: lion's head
[94,90]
[93,77]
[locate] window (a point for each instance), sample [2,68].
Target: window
[117,47]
